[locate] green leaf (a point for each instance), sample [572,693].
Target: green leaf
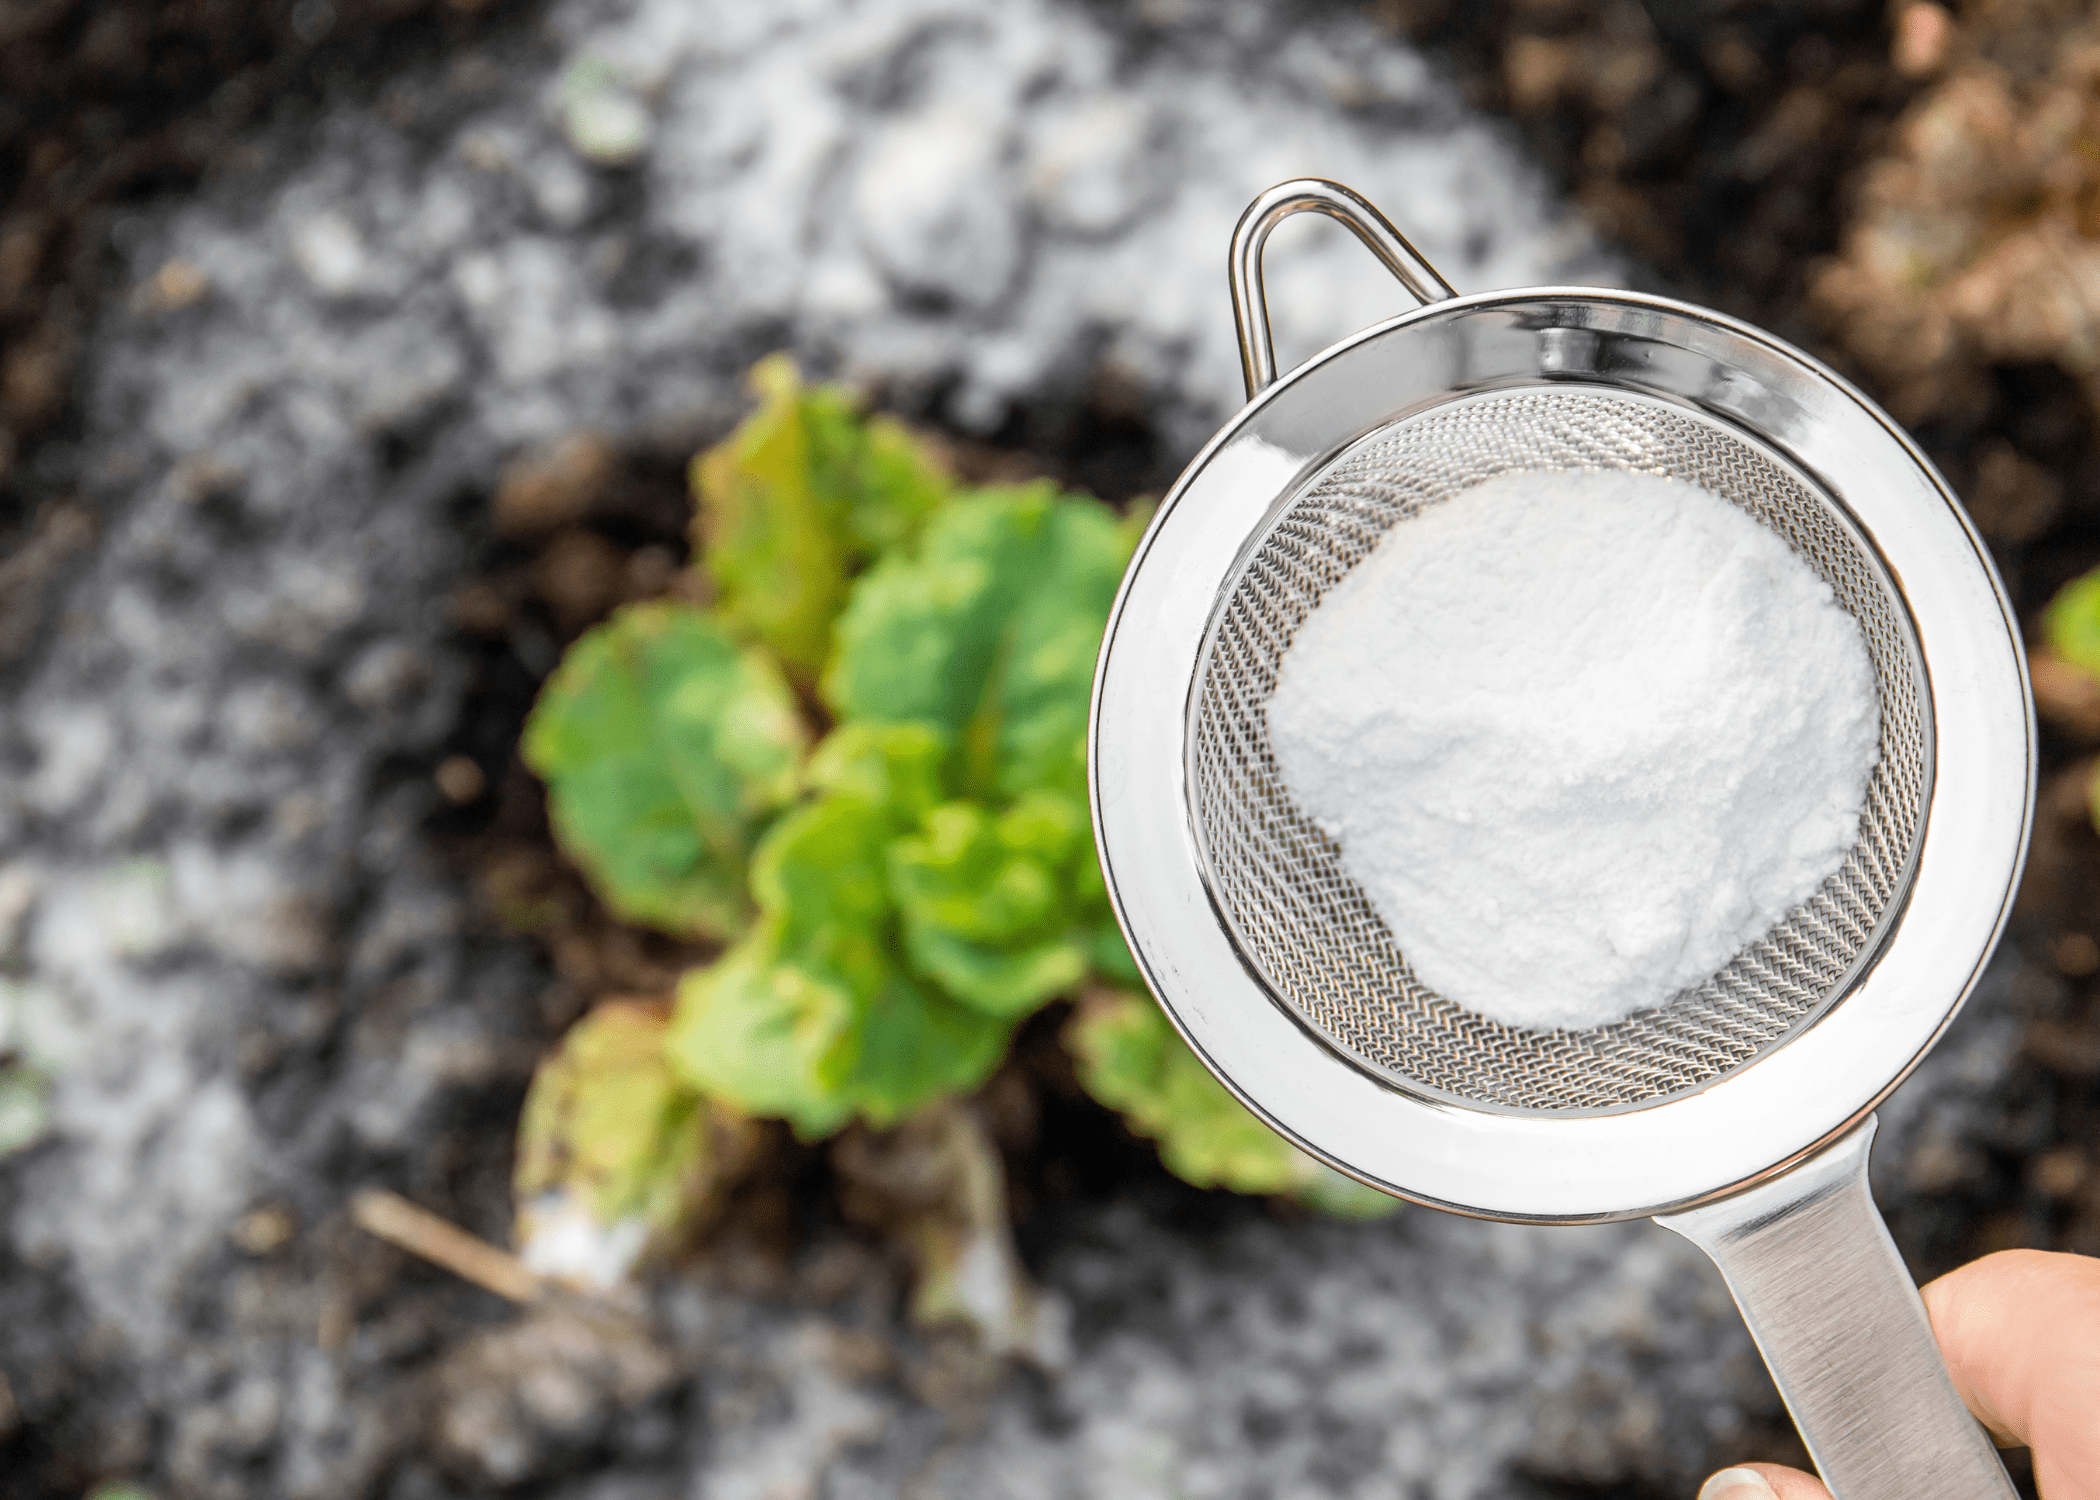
[896,767]
[607,1121]
[813,1016]
[797,500]
[766,1034]
[986,633]
[1132,1060]
[664,747]
[893,485]
[988,630]
[988,901]
[917,1045]
[2071,623]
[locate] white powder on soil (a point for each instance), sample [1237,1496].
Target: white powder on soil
[1582,737]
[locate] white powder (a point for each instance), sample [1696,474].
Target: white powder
[1581,737]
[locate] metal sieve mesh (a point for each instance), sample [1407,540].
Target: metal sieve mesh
[1310,931]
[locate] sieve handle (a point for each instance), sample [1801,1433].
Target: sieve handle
[1844,1332]
[1250,307]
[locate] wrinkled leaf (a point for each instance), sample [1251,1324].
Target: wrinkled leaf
[988,902]
[796,501]
[607,1124]
[988,630]
[893,767]
[665,746]
[987,633]
[813,1017]
[1132,1060]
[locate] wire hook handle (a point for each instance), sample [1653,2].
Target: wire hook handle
[1250,307]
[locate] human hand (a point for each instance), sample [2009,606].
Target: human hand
[2021,1333]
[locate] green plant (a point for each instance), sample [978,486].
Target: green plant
[862,768]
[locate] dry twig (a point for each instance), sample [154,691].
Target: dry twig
[420,1232]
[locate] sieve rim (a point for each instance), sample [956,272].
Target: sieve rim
[1748,1126]
[1282,510]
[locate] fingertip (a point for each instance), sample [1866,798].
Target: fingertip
[1737,1484]
[1763,1482]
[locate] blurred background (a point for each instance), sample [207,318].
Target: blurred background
[352,353]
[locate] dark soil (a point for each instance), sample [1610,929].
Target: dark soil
[106,102]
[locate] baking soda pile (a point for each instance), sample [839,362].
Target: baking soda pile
[1581,737]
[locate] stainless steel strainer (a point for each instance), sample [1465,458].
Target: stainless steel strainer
[1740,1113]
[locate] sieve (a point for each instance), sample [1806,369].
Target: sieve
[1740,1114]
